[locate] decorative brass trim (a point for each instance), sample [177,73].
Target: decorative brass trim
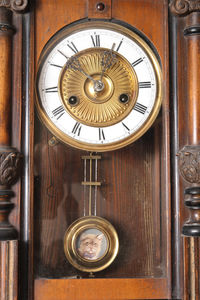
[103,108]
[184,7]
[72,237]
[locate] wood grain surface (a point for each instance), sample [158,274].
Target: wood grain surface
[101,289]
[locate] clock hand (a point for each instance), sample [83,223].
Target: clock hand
[74,64]
[108,59]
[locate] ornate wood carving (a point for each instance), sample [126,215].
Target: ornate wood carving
[14,5]
[189,167]
[184,7]
[10,161]
[189,163]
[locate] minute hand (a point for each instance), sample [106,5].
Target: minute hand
[108,59]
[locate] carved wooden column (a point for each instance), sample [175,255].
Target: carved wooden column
[188,12]
[10,158]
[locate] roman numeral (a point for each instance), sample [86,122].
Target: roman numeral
[137,62]
[101,134]
[140,108]
[72,47]
[145,85]
[51,89]
[57,66]
[77,129]
[58,112]
[63,54]
[119,45]
[96,40]
[125,126]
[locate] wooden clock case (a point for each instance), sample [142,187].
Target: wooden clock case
[141,192]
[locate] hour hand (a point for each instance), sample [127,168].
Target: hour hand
[74,64]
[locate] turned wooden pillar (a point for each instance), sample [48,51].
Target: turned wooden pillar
[6,32]
[10,158]
[188,74]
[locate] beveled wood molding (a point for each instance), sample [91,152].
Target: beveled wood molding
[184,7]
[8,270]
[191,268]
[14,5]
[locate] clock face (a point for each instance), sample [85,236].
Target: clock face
[98,86]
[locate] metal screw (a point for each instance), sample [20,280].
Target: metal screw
[124,98]
[73,100]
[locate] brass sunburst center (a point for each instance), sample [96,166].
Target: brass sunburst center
[98,106]
[103,95]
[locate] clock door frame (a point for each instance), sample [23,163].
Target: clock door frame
[156,287]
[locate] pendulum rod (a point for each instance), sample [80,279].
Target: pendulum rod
[90,182]
[90,189]
[95,188]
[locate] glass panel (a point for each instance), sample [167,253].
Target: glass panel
[129,198]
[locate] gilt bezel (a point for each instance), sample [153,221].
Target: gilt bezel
[85,224]
[63,137]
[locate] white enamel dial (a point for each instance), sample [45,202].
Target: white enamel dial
[85,38]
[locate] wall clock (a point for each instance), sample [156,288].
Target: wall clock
[99,72]
[99,68]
